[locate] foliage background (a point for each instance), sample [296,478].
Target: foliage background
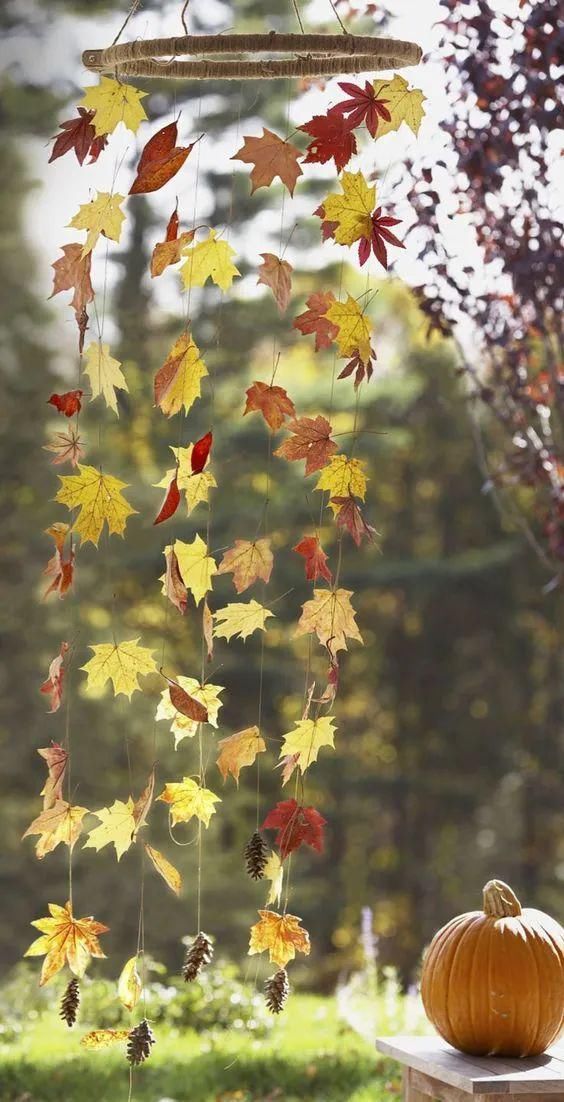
[449,764]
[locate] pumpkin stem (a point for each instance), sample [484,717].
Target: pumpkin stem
[500,901]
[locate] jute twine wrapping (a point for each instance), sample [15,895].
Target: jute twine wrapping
[315,55]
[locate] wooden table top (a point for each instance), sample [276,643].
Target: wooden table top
[479,1074]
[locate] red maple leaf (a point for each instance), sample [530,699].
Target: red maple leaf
[79,134]
[170,503]
[332,138]
[68,403]
[272,401]
[160,160]
[362,106]
[379,235]
[200,452]
[296,826]
[313,319]
[315,559]
[350,517]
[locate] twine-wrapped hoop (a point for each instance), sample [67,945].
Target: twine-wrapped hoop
[312,55]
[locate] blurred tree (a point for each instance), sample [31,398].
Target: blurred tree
[450,737]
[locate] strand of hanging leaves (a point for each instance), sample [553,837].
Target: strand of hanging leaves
[352,217]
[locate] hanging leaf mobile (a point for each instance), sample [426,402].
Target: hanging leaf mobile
[351,215]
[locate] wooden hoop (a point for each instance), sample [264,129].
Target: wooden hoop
[314,55]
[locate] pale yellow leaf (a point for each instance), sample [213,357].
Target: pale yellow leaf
[209,259]
[102,215]
[238,751]
[104,373]
[99,501]
[196,566]
[274,871]
[177,383]
[352,209]
[61,822]
[187,799]
[120,663]
[307,739]
[403,103]
[114,101]
[129,985]
[353,328]
[169,873]
[331,616]
[117,827]
[180,725]
[240,619]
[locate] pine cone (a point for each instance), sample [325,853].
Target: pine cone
[70,1003]
[277,989]
[140,1042]
[256,856]
[199,953]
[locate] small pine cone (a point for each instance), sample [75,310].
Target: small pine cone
[70,1003]
[277,989]
[199,953]
[140,1042]
[256,856]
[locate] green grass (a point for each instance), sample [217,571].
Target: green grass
[308,1056]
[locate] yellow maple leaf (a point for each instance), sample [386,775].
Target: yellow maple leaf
[403,103]
[240,619]
[121,663]
[98,498]
[114,102]
[343,476]
[103,1038]
[104,372]
[102,215]
[331,616]
[307,739]
[239,750]
[129,985]
[209,259]
[274,871]
[352,210]
[177,382]
[353,325]
[248,561]
[117,827]
[169,873]
[65,940]
[60,823]
[281,935]
[188,799]
[196,486]
[196,566]
[180,725]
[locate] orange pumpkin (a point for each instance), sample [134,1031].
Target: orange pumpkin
[493,980]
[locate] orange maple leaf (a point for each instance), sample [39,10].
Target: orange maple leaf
[271,156]
[276,274]
[281,935]
[65,940]
[238,751]
[272,401]
[311,440]
[247,561]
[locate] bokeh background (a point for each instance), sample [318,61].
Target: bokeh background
[449,762]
